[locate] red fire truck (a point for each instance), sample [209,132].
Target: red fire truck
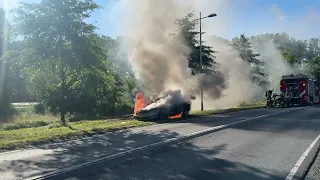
[302,89]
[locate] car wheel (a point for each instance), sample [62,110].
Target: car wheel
[185,114]
[162,116]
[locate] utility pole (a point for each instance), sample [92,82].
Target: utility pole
[201,66]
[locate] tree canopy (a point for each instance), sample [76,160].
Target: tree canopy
[243,46]
[187,31]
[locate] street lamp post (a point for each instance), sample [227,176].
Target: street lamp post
[201,67]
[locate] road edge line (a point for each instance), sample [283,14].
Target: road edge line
[149,146]
[305,161]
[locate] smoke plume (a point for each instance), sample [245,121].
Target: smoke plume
[236,71]
[170,98]
[158,60]
[276,65]
[162,63]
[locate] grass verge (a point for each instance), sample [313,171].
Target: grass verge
[12,138]
[222,111]
[20,117]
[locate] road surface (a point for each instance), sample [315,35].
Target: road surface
[262,148]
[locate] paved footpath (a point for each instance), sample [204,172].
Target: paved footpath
[314,172]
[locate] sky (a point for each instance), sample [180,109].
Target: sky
[299,18]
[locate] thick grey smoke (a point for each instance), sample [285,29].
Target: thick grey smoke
[160,61]
[276,65]
[236,71]
[170,98]
[162,64]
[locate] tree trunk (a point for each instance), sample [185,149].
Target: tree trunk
[63,119]
[63,86]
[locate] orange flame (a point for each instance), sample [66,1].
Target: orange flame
[140,103]
[176,116]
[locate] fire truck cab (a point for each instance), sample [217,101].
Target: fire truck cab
[302,89]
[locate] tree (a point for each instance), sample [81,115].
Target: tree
[313,48]
[288,55]
[299,50]
[60,43]
[293,50]
[282,41]
[6,87]
[121,94]
[314,67]
[187,33]
[243,46]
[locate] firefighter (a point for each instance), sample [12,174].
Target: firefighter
[269,98]
[282,100]
[288,98]
[311,98]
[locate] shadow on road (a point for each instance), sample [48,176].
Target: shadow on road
[293,122]
[51,157]
[183,161]
[301,119]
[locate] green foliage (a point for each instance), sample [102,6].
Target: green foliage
[313,48]
[294,51]
[314,66]
[66,81]
[243,46]
[40,109]
[187,33]
[65,53]
[289,56]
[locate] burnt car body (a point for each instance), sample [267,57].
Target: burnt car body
[154,111]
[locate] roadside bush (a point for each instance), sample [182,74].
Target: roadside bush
[40,109]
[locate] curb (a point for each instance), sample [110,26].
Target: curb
[307,163]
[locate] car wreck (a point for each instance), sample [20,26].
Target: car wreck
[171,105]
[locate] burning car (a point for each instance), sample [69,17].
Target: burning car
[172,105]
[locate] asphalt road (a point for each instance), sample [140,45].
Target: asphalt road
[267,149]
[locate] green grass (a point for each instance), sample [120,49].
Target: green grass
[12,139]
[25,117]
[243,106]
[27,128]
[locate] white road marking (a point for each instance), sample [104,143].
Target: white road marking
[301,159]
[190,135]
